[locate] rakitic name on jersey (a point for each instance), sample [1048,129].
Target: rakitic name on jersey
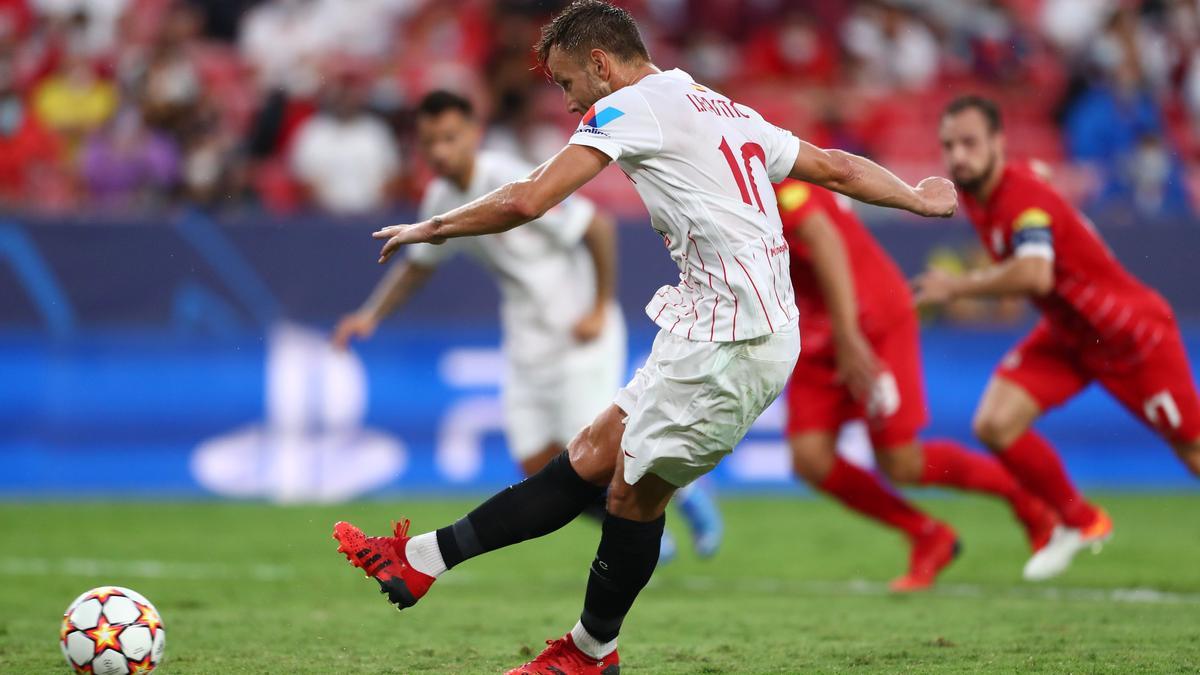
[716,106]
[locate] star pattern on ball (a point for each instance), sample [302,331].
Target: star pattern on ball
[104,635]
[105,592]
[66,628]
[149,617]
[143,666]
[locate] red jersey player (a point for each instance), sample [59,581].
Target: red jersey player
[861,359]
[1098,323]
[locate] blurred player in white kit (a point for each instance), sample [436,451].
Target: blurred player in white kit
[564,336]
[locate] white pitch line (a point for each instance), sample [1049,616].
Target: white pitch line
[162,569]
[1139,595]
[145,569]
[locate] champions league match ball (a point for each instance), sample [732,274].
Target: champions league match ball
[112,631]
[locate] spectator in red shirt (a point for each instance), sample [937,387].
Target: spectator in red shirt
[25,146]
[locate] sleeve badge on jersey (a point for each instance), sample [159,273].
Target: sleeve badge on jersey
[793,196]
[1031,218]
[598,118]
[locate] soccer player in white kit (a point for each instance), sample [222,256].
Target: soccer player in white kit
[728,340]
[564,336]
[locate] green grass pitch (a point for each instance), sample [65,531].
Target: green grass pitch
[799,587]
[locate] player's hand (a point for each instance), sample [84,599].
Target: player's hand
[399,235]
[938,197]
[590,326]
[934,287]
[857,366]
[359,325]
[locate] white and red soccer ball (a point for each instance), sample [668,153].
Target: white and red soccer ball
[112,631]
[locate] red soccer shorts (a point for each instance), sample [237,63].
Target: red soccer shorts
[816,401]
[1158,390]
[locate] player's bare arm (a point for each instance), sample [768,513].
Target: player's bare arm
[861,179]
[857,365]
[506,207]
[391,293]
[600,240]
[1030,275]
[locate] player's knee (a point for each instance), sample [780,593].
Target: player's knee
[994,429]
[623,502]
[642,502]
[811,461]
[620,499]
[589,458]
[901,464]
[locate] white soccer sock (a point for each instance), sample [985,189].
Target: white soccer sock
[590,645]
[424,555]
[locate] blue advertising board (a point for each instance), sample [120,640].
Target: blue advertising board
[189,359]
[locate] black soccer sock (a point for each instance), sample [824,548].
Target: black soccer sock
[598,508]
[536,506]
[624,562]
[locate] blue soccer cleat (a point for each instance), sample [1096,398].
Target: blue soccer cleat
[700,510]
[667,549]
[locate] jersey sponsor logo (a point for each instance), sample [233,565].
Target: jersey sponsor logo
[593,131]
[793,196]
[1031,218]
[598,118]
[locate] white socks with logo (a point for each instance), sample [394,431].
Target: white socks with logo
[424,555]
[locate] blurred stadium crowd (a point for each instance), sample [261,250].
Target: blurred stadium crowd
[294,105]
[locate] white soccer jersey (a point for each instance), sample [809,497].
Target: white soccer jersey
[704,165]
[546,277]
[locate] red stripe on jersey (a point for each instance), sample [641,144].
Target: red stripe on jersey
[716,298]
[660,311]
[1122,319]
[733,335]
[716,301]
[755,287]
[697,247]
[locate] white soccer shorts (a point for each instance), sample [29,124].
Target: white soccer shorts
[694,401]
[550,403]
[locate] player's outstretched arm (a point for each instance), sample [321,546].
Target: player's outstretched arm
[1030,275]
[391,293]
[505,207]
[857,366]
[600,240]
[864,180]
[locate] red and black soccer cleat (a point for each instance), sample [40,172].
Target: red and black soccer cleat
[562,657]
[383,559]
[931,553]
